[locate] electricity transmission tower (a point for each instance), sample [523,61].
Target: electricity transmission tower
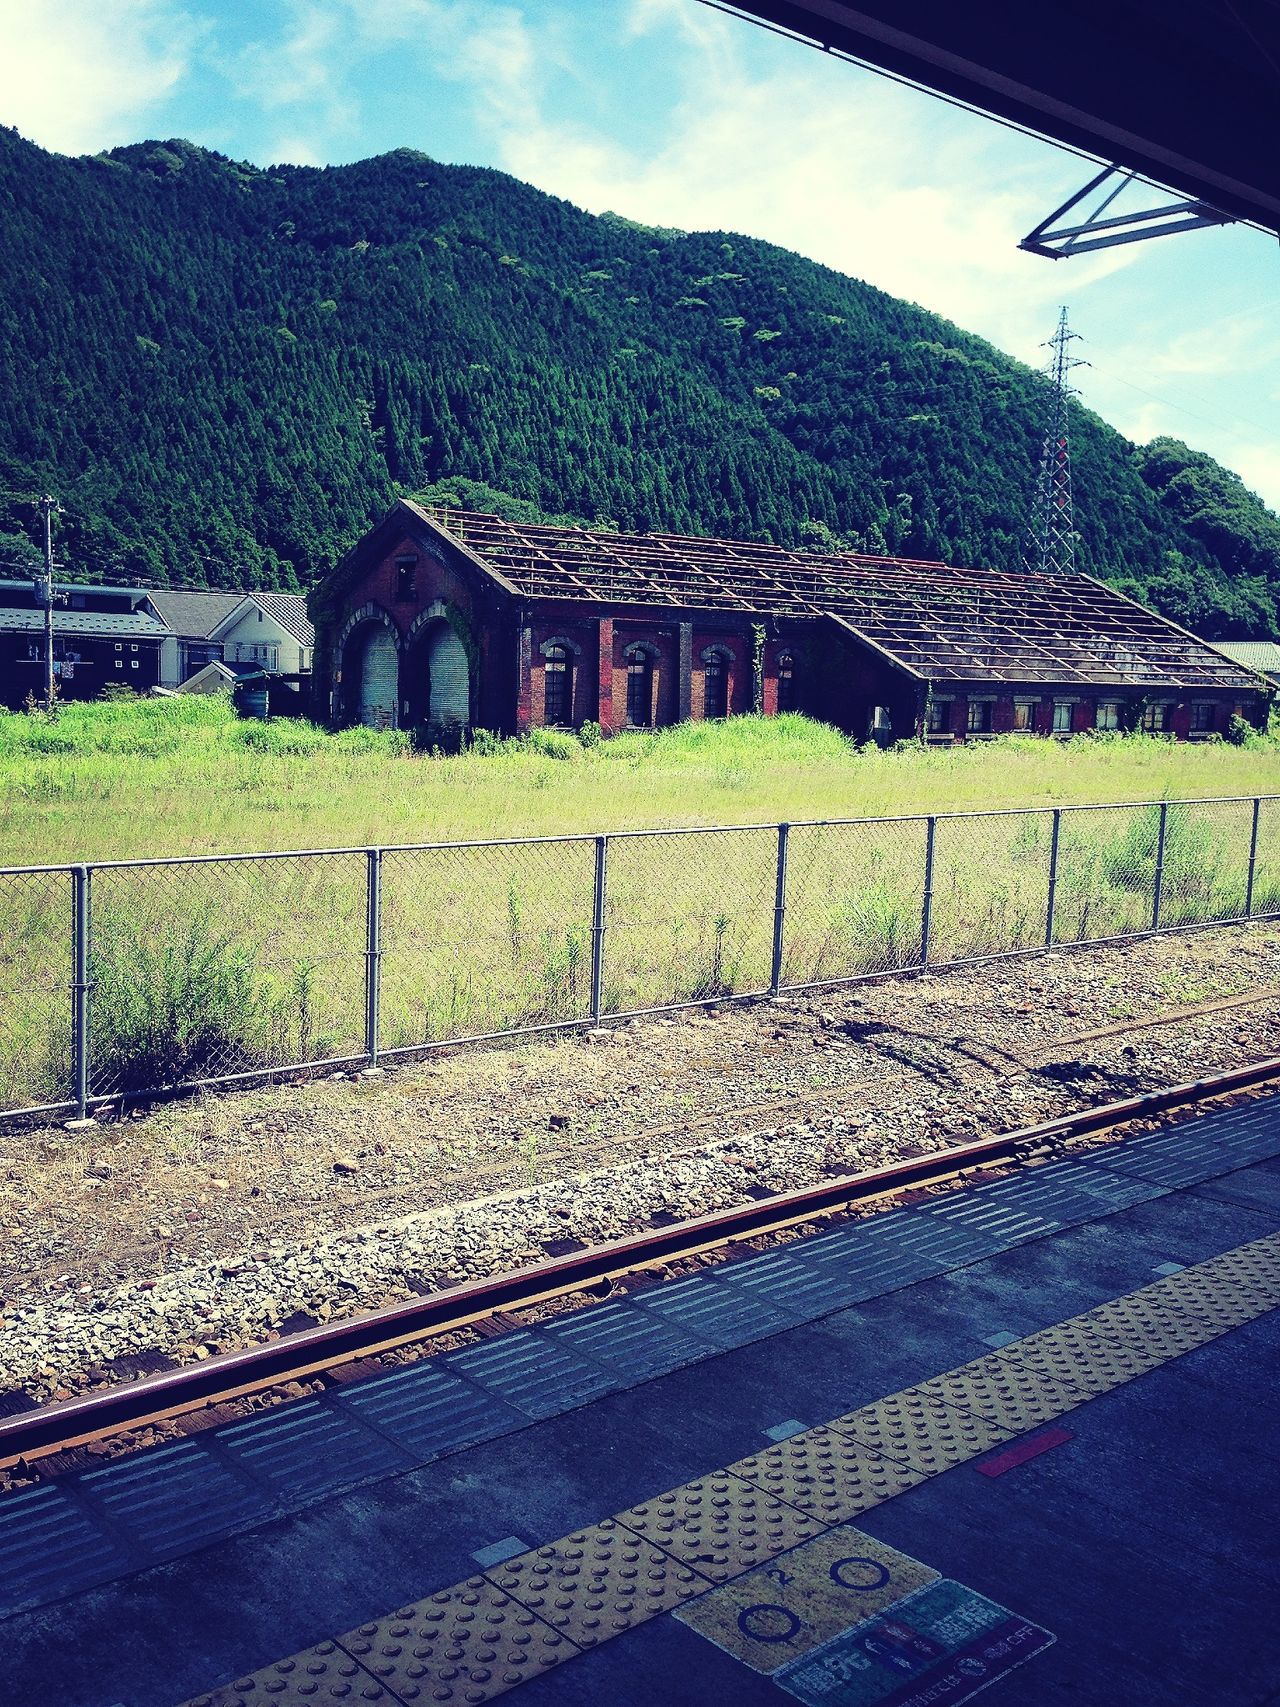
[1050,544]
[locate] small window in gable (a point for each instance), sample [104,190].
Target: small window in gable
[406,577]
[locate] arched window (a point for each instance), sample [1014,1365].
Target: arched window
[639,686]
[557,688]
[786,682]
[715,683]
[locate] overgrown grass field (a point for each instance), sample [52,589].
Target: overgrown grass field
[154,778]
[200,970]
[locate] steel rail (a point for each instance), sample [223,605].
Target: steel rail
[72,1422]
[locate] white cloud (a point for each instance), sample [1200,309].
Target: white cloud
[82,75]
[302,67]
[841,166]
[1233,343]
[1258,466]
[293,151]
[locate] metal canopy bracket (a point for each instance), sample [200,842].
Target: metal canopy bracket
[1057,241]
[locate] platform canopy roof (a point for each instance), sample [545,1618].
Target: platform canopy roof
[934,622]
[1183,92]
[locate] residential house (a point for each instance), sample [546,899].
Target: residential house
[101,635]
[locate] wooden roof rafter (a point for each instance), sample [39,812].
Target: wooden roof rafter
[931,619]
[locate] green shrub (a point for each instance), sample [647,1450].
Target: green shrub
[184,1005]
[552,744]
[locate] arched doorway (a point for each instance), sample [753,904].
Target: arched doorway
[372,671]
[437,678]
[449,676]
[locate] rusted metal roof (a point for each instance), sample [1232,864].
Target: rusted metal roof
[936,621]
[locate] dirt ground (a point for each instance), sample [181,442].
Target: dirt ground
[857,1074]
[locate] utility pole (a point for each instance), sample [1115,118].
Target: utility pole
[1049,547]
[44,595]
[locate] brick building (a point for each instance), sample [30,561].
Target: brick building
[452,620]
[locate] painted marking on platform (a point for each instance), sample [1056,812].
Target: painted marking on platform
[785,1609]
[598,1582]
[1025,1451]
[1167,1268]
[936,1649]
[784,1430]
[467,1643]
[498,1551]
[1000,1340]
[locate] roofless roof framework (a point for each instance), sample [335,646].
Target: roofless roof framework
[935,622]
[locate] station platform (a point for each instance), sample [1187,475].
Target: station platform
[1018,1438]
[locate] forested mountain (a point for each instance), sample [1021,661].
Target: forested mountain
[226,373]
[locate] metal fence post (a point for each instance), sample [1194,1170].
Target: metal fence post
[80,989]
[597,929]
[926,910]
[1053,876]
[373,953]
[1158,888]
[1253,857]
[779,910]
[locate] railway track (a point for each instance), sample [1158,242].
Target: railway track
[38,1433]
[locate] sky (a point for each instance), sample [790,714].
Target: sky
[674,114]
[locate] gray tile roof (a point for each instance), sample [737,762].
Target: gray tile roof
[133,625]
[1261,655]
[290,611]
[192,615]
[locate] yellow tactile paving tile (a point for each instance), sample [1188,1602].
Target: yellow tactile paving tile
[827,1474]
[779,1611]
[720,1525]
[322,1675]
[1010,1395]
[464,1644]
[1224,1300]
[1151,1321]
[598,1582]
[921,1432]
[1088,1362]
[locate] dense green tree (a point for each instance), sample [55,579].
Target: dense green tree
[227,373]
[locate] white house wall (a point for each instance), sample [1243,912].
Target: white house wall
[256,629]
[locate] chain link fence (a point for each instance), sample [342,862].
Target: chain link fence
[135,978]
